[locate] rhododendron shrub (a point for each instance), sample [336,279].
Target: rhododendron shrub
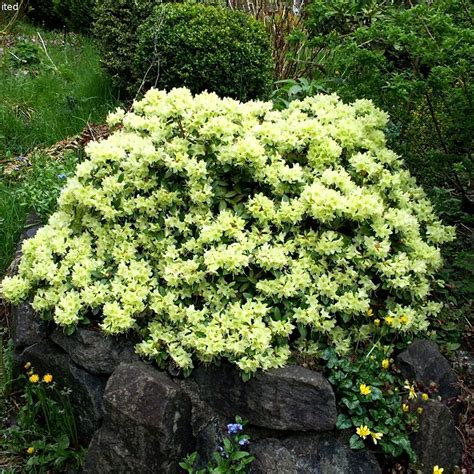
[227,230]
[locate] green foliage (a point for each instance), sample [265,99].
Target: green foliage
[12,218]
[198,46]
[45,428]
[115,30]
[6,371]
[414,61]
[230,458]
[381,409]
[205,47]
[41,185]
[24,55]
[288,90]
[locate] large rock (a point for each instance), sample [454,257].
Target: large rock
[93,351]
[291,398]
[310,454]
[437,442]
[423,362]
[147,426]
[27,328]
[86,390]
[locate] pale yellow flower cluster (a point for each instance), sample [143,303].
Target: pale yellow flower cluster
[218,228]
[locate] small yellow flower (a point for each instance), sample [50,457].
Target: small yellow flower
[404,320]
[405,407]
[411,390]
[438,470]
[389,320]
[385,364]
[377,322]
[375,436]
[34,378]
[48,378]
[30,450]
[363,431]
[364,389]
[370,312]
[27,365]
[419,410]
[425,396]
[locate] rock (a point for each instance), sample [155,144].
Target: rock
[86,390]
[207,425]
[27,328]
[437,442]
[147,425]
[310,454]
[423,362]
[95,352]
[291,398]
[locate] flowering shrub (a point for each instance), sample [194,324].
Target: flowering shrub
[221,229]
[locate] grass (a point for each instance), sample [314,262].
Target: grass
[51,88]
[47,97]
[12,216]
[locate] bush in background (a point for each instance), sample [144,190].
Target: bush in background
[115,29]
[205,47]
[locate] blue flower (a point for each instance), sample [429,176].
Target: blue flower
[234,428]
[244,442]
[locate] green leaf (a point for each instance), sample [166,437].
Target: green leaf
[355,442]
[239,455]
[343,422]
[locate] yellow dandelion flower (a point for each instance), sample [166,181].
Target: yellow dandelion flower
[377,322]
[419,410]
[370,312]
[405,407]
[31,450]
[438,470]
[34,378]
[48,378]
[363,431]
[403,319]
[385,364]
[376,436]
[388,320]
[425,396]
[364,389]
